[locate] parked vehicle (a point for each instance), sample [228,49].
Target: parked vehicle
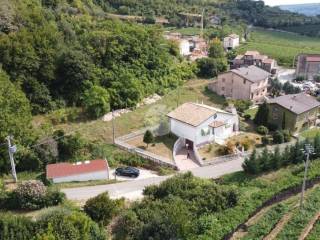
[127,171]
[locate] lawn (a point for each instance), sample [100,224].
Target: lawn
[310,133]
[252,112]
[162,146]
[148,115]
[189,31]
[280,45]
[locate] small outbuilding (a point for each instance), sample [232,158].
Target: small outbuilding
[79,171]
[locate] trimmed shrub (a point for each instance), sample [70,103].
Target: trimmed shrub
[247,117]
[265,140]
[262,130]
[278,137]
[102,209]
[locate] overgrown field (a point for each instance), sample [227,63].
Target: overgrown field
[281,45]
[144,116]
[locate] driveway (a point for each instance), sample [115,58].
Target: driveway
[143,175]
[133,189]
[183,162]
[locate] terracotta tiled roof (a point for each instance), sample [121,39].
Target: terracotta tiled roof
[216,124]
[69,169]
[192,113]
[313,59]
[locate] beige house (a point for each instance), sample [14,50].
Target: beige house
[248,83]
[255,58]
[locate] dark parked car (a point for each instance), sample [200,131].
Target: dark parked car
[128,172]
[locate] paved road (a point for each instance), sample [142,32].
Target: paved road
[133,189]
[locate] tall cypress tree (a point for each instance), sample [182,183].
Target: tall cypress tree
[261,117]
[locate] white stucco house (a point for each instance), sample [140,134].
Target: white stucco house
[199,124]
[79,171]
[231,42]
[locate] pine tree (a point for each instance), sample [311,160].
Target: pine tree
[276,159]
[285,157]
[251,164]
[148,137]
[264,160]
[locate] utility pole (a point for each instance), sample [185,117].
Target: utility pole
[201,33]
[113,127]
[308,149]
[12,150]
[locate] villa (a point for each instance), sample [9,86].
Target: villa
[198,124]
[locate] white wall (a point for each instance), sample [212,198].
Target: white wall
[184,47]
[83,177]
[182,129]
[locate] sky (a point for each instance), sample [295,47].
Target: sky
[284,2]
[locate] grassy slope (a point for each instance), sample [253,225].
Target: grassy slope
[141,117]
[280,45]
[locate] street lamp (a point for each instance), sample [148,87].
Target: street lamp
[308,149]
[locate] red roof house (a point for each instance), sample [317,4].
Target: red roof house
[79,171]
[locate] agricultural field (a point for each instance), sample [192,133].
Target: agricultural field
[282,46]
[285,220]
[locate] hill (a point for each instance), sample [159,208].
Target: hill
[309,9]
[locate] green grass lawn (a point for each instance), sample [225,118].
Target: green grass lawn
[189,31]
[252,112]
[311,133]
[149,115]
[280,45]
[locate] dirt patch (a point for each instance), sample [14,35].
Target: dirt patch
[162,146]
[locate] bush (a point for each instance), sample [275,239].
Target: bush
[102,209]
[265,140]
[31,195]
[247,117]
[14,227]
[262,130]
[272,127]
[96,101]
[241,105]
[278,137]
[65,224]
[286,135]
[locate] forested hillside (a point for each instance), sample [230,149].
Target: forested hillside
[57,50]
[252,12]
